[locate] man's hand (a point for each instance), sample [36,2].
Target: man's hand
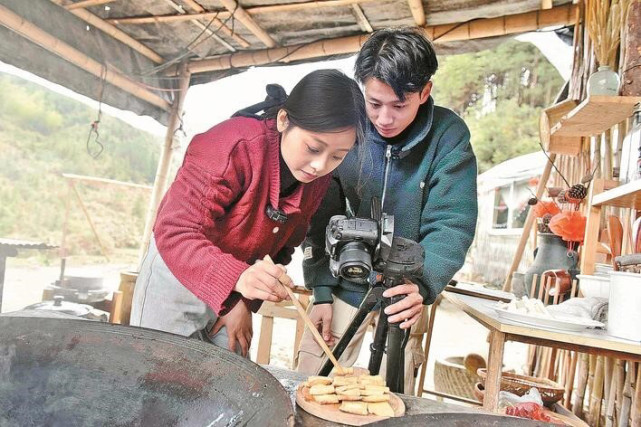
[321,316]
[239,327]
[409,309]
[260,281]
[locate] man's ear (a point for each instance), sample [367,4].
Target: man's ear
[281,120]
[425,93]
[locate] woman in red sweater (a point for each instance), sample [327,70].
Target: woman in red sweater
[247,188]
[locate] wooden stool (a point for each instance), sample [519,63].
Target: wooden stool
[284,310]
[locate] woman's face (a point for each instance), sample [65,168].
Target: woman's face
[310,155]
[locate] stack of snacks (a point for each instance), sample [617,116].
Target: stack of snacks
[357,394]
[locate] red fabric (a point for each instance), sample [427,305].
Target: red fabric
[570,225]
[543,208]
[212,224]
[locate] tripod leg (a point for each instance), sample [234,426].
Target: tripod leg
[370,300]
[378,346]
[396,342]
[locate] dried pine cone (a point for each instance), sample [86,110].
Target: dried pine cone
[577,192]
[544,224]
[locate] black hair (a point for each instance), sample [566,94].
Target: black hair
[326,101]
[402,58]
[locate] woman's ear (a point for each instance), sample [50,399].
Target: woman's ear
[281,120]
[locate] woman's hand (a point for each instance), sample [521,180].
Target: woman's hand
[260,281]
[239,327]
[321,316]
[407,310]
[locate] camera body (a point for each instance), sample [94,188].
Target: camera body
[357,246]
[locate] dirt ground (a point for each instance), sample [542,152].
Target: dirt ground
[455,334]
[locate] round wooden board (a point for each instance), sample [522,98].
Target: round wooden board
[332,413]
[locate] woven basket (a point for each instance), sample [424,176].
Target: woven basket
[550,391]
[451,377]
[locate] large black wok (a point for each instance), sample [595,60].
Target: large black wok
[60,372]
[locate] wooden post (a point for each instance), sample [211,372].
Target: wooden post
[160,182]
[495,363]
[428,340]
[529,221]
[592,229]
[265,340]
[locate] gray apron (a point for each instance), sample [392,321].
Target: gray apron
[161,302]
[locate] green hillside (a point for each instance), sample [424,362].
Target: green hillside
[44,134]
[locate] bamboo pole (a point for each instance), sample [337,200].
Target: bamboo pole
[418,13]
[33,33]
[607,383]
[595,385]
[160,181]
[362,19]
[239,13]
[620,370]
[87,3]
[95,180]
[110,30]
[569,382]
[630,376]
[577,406]
[220,25]
[90,221]
[480,28]
[529,222]
[636,402]
[617,379]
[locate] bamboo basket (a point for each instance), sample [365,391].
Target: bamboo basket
[550,391]
[451,377]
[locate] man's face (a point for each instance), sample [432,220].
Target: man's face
[389,115]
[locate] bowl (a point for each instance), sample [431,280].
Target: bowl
[594,286]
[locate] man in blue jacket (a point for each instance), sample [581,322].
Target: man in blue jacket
[419,161]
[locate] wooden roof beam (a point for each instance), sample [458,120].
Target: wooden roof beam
[219,24]
[211,34]
[87,3]
[416,7]
[291,7]
[481,28]
[205,14]
[54,45]
[362,19]
[112,31]
[240,13]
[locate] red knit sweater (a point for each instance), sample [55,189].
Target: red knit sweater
[212,224]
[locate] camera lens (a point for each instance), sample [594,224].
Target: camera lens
[355,261]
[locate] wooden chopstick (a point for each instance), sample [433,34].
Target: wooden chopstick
[285,280]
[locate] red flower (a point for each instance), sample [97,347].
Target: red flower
[541,208]
[570,226]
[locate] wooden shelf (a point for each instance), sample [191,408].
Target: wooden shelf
[623,196]
[595,115]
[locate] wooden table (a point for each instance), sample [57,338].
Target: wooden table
[591,341]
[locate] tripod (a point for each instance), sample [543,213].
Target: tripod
[405,260]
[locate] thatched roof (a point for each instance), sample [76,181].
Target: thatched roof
[132,47]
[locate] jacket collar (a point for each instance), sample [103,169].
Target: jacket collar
[417,131]
[291,203]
